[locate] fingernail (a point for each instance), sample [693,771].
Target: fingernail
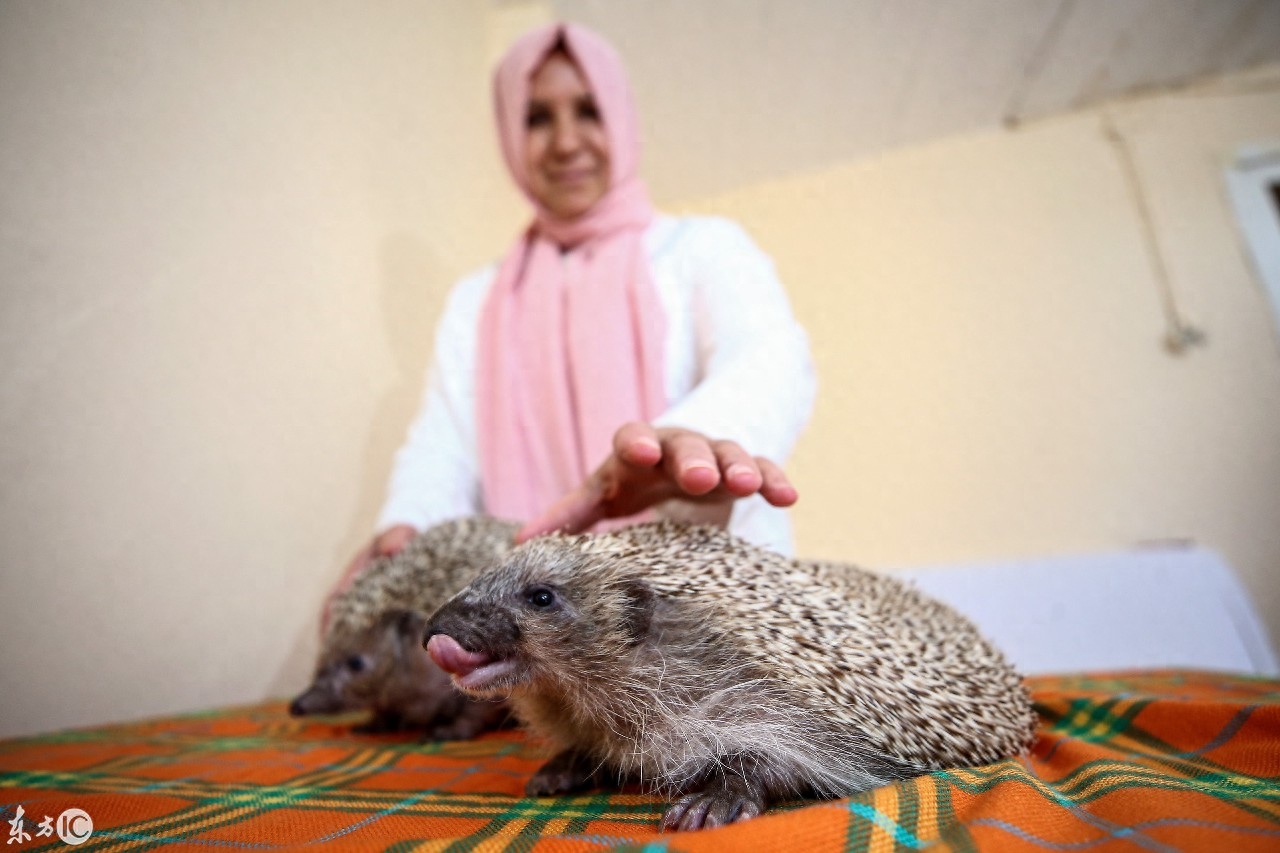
[738,470]
[699,476]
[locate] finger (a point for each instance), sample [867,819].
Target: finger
[636,443]
[573,513]
[777,489]
[690,462]
[738,470]
[393,540]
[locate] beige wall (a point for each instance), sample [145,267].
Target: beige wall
[988,328]
[226,230]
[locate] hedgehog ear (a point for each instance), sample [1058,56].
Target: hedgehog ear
[640,603]
[407,623]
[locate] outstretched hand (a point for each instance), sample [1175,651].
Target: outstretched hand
[650,466]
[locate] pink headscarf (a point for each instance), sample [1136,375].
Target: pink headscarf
[570,342]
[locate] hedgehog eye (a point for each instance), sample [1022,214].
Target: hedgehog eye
[356,663]
[540,597]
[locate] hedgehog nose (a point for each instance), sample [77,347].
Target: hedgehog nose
[302,705]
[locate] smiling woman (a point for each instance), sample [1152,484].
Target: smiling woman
[566,148]
[618,362]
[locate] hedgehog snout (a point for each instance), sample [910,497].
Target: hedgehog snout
[475,627]
[314,700]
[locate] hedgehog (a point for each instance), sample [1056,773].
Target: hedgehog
[372,654]
[724,676]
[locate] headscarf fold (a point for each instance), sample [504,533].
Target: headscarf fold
[571,335]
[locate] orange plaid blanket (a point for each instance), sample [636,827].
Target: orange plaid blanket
[1158,761]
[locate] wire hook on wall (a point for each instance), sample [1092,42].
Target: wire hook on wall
[1180,334]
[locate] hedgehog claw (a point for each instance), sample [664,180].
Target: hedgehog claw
[723,810]
[707,810]
[671,818]
[722,802]
[689,812]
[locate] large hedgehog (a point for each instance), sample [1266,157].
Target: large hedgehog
[708,669]
[372,656]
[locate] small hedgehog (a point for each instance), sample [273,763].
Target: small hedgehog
[372,654]
[704,668]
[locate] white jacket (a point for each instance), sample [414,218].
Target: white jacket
[737,367]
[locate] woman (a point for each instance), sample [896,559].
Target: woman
[617,359]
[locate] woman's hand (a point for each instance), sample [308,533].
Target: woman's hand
[389,542]
[649,466]
[392,540]
[384,544]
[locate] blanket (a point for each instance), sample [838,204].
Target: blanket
[1169,760]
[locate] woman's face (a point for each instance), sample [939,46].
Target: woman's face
[566,153]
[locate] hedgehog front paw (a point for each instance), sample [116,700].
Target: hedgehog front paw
[730,792]
[473,719]
[381,722]
[452,731]
[709,809]
[564,774]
